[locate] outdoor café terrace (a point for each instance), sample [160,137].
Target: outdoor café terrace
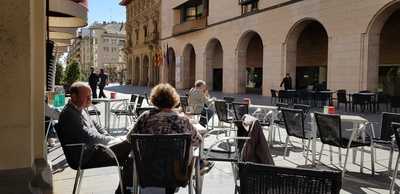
[367,169]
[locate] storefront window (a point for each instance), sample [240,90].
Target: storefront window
[254,80]
[389,79]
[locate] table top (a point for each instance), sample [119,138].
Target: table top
[108,99]
[263,107]
[323,92]
[364,93]
[351,118]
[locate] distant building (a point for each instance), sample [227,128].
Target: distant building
[101,46]
[143,44]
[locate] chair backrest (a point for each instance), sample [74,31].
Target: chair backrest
[141,110]
[131,106]
[341,95]
[282,105]
[273,93]
[322,96]
[133,98]
[304,107]
[294,122]
[386,125]
[162,160]
[147,98]
[229,99]
[72,153]
[396,128]
[303,94]
[140,101]
[222,110]
[281,94]
[268,179]
[382,97]
[357,98]
[395,101]
[330,129]
[184,103]
[240,109]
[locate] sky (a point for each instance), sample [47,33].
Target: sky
[106,10]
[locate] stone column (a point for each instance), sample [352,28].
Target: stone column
[22,88]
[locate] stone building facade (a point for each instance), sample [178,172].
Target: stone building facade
[143,30]
[250,46]
[101,45]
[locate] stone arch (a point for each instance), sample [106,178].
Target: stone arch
[307,54]
[171,66]
[145,70]
[250,51]
[189,66]
[382,69]
[214,62]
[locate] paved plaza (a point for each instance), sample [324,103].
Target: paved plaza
[220,179]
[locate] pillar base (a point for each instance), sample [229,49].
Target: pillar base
[42,180]
[35,180]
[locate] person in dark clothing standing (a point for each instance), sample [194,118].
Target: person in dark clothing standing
[103,78]
[93,79]
[287,82]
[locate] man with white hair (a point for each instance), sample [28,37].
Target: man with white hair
[75,126]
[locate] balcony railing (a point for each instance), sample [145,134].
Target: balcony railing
[190,25]
[245,2]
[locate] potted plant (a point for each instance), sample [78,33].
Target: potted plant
[71,75]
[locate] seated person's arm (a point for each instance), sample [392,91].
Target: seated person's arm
[77,131]
[99,128]
[97,137]
[135,127]
[196,137]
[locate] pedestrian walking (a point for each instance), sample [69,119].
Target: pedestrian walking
[287,82]
[93,79]
[103,81]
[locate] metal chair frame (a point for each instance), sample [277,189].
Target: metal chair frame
[396,128]
[79,169]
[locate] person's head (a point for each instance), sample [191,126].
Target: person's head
[287,75]
[200,84]
[164,96]
[91,70]
[102,71]
[81,94]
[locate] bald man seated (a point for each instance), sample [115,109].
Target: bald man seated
[76,126]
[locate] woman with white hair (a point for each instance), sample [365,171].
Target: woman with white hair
[199,99]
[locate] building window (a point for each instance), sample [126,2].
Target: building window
[113,41]
[106,49]
[192,12]
[248,6]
